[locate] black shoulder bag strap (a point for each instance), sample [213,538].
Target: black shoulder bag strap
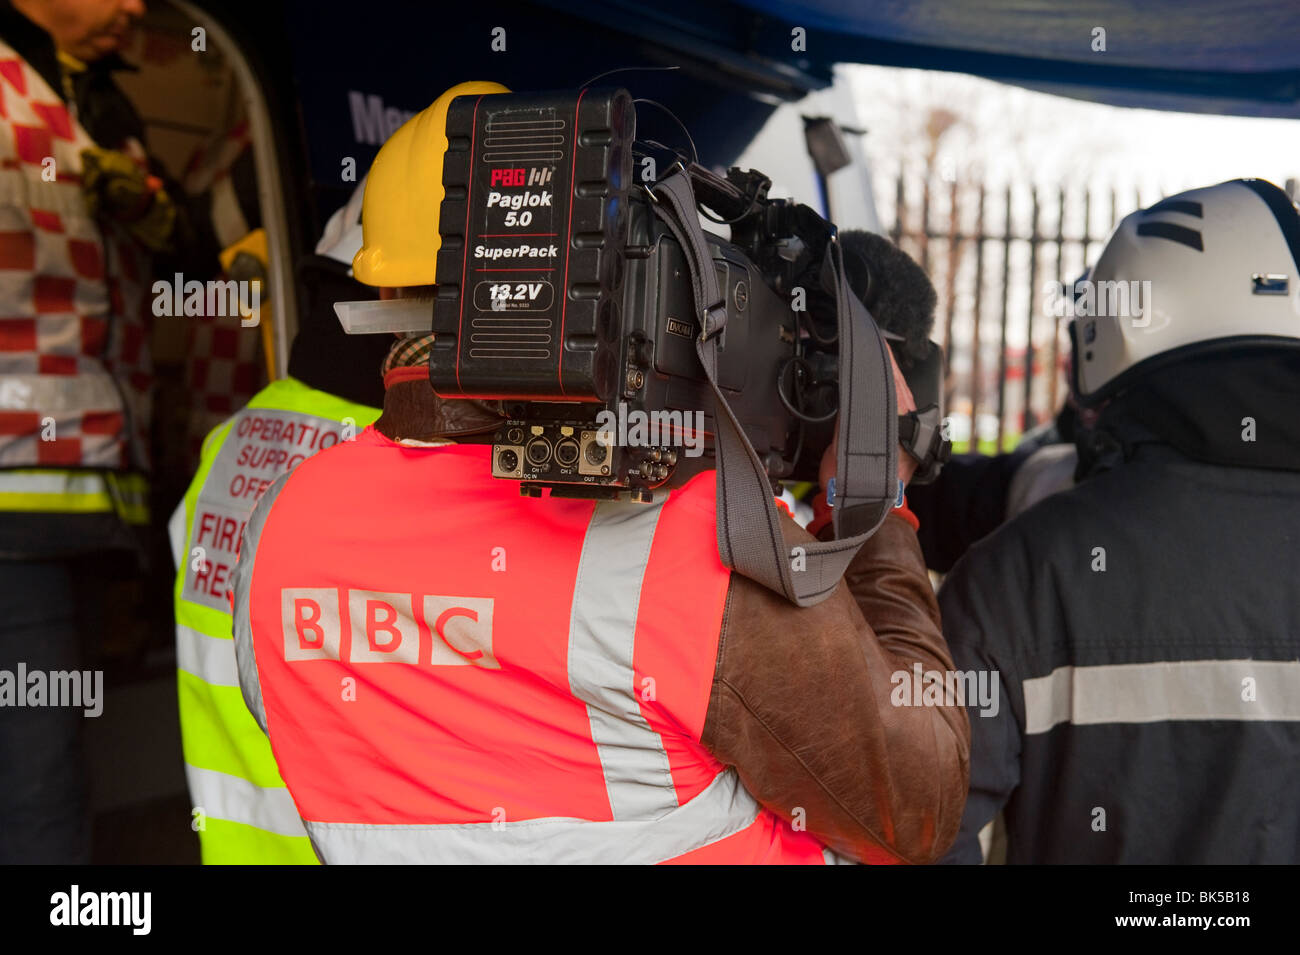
[750,540]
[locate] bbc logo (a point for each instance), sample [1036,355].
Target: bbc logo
[384,627]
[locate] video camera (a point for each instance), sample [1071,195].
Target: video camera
[562,295]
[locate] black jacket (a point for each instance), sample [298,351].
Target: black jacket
[1173,566]
[968,500]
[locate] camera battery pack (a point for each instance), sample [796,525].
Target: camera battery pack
[531,266]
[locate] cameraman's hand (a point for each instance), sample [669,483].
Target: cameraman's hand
[906,403]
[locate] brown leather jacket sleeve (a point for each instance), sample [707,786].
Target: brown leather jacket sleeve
[801,706]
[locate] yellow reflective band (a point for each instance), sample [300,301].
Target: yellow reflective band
[231,843]
[209,622]
[289,394]
[218,732]
[49,503]
[72,492]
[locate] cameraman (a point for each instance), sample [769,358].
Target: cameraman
[571,681]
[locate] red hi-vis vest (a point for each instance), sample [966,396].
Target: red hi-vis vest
[452,673]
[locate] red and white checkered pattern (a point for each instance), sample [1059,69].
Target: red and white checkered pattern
[74,311]
[224,365]
[224,370]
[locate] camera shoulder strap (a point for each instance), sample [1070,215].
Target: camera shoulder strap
[750,539]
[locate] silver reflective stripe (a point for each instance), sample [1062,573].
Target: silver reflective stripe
[1152,692]
[210,659]
[721,810]
[52,482]
[602,638]
[63,394]
[240,584]
[222,796]
[176,535]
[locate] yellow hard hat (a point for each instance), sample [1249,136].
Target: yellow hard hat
[399,214]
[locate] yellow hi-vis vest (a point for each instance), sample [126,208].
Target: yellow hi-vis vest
[241,809]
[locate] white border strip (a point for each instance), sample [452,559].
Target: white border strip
[1240,690]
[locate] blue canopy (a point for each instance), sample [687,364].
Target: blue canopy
[353,79]
[1240,58]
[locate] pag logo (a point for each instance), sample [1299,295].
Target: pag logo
[386,627]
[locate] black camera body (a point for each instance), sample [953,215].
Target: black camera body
[565,298]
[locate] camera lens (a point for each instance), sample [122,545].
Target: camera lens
[507,461]
[538,452]
[566,453]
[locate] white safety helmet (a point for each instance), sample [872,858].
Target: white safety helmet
[342,237]
[1205,270]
